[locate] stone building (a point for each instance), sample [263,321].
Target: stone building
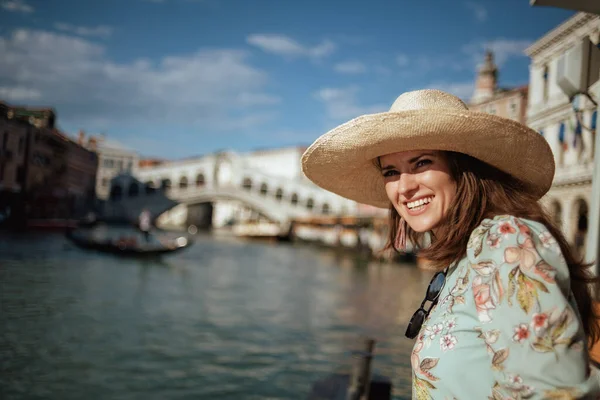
[44,174]
[113,159]
[488,97]
[550,112]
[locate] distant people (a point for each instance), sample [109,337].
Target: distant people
[145,223]
[509,313]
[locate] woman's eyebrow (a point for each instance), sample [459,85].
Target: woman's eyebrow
[412,160]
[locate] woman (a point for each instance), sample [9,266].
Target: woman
[509,314]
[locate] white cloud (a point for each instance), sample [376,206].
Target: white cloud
[285,46]
[17,6]
[350,67]
[463,90]
[479,11]
[503,49]
[99,31]
[18,93]
[213,89]
[342,103]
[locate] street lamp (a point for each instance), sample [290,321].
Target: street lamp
[575,86]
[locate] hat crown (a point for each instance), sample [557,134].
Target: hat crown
[427,99]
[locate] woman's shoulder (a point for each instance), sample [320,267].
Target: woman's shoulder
[503,233]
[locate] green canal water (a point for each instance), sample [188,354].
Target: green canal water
[226,319]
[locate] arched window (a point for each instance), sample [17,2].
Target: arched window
[325,208]
[247,184]
[279,194]
[594,121]
[263,189]
[165,185]
[200,181]
[116,192]
[149,187]
[134,189]
[294,199]
[310,204]
[183,183]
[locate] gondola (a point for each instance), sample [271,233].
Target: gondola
[130,248]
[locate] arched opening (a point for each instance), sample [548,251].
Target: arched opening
[264,189]
[149,187]
[279,194]
[556,212]
[247,184]
[294,199]
[310,204]
[200,181]
[326,208]
[183,183]
[581,226]
[165,185]
[134,189]
[116,192]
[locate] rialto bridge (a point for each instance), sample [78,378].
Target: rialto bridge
[223,189]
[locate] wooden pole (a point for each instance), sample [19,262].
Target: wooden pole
[361,371]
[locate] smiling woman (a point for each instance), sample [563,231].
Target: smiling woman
[510,298]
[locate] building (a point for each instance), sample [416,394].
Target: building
[48,174]
[113,159]
[488,97]
[13,136]
[550,112]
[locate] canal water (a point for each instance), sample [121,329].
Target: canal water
[225,319]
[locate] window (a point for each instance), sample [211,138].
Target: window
[21,144]
[263,189]
[294,199]
[183,183]
[279,194]
[325,208]
[247,184]
[545,74]
[200,180]
[310,204]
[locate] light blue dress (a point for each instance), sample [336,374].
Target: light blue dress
[506,325]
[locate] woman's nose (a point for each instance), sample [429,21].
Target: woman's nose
[407,185]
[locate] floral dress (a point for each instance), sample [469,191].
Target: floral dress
[506,325]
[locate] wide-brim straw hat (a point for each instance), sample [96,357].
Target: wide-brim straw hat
[342,160]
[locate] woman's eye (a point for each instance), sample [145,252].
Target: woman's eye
[389,173]
[422,163]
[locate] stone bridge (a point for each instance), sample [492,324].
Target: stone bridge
[271,185]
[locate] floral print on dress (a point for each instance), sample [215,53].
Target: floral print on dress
[505,326]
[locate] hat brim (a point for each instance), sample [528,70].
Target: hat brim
[341,161]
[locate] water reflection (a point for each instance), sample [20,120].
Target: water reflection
[226,319]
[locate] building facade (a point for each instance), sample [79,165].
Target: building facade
[490,98]
[113,159]
[572,139]
[45,174]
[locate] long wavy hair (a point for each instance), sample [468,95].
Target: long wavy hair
[483,191]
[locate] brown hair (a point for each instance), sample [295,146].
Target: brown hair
[483,191]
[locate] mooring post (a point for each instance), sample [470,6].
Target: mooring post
[361,371]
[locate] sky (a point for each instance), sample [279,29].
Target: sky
[182,78]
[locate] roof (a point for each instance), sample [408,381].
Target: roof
[560,32]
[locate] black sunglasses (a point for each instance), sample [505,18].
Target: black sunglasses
[433,293]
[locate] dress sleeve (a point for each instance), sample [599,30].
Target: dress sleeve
[527,318]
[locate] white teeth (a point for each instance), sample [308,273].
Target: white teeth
[419,202]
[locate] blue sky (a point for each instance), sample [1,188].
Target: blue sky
[178,78]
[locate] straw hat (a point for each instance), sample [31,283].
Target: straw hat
[341,161]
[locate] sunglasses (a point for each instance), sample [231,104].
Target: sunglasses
[433,293]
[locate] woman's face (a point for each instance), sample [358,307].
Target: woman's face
[419,185]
